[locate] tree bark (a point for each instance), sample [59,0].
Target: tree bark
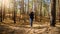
[40,11]
[59,10]
[53,12]
[14,12]
[1,13]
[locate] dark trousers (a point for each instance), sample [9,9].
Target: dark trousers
[31,22]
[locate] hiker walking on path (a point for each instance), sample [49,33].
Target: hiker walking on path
[31,18]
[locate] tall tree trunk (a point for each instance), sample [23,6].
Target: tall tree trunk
[1,13]
[14,12]
[40,10]
[59,10]
[4,12]
[28,7]
[53,12]
[9,10]
[22,6]
[35,8]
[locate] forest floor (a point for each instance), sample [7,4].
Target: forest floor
[11,28]
[26,29]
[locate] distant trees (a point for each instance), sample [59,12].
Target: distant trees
[2,11]
[36,5]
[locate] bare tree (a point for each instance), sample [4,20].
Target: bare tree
[22,7]
[59,9]
[4,12]
[1,13]
[14,12]
[53,12]
[40,10]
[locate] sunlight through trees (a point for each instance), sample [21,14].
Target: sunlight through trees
[17,10]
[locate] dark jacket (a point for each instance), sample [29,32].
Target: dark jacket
[31,15]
